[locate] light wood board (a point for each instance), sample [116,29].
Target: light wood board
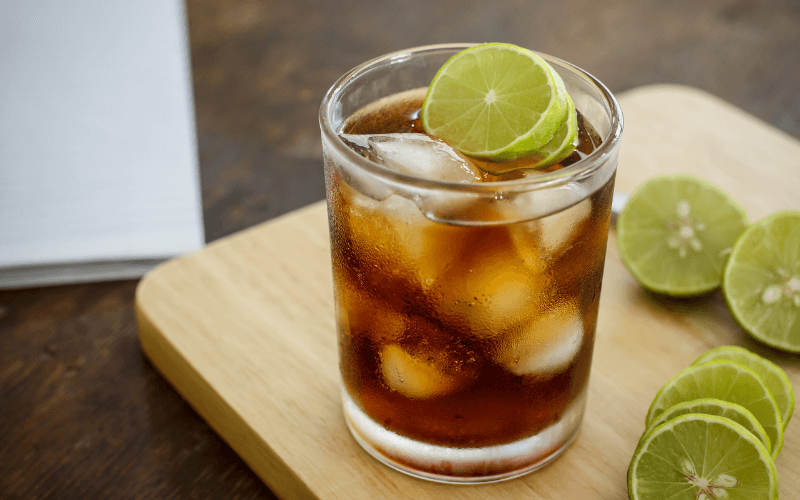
[244,329]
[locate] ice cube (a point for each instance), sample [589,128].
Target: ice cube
[417,377]
[393,235]
[360,314]
[492,285]
[558,229]
[547,344]
[415,154]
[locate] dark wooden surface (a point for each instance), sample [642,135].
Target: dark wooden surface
[82,412]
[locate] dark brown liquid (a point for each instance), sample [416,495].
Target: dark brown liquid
[423,334]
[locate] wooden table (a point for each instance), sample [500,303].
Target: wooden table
[84,415]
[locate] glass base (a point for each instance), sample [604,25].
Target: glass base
[463,465]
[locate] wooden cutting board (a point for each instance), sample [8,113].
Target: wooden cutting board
[244,329]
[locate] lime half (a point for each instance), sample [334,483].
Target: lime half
[495,101]
[675,234]
[694,457]
[719,408]
[771,374]
[762,280]
[729,382]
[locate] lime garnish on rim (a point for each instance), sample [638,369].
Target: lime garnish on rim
[719,408]
[560,146]
[694,457]
[495,101]
[675,233]
[729,382]
[762,280]
[771,374]
[562,143]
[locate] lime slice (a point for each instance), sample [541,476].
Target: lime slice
[771,374]
[675,233]
[495,101]
[701,457]
[562,143]
[762,281]
[729,382]
[719,408]
[559,147]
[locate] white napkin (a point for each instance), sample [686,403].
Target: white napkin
[98,155]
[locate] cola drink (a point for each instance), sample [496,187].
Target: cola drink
[466,311]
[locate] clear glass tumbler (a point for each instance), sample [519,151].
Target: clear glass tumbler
[466,312]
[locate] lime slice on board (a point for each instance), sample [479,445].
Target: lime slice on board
[675,233]
[771,374]
[719,408]
[762,280]
[694,457]
[495,101]
[729,382]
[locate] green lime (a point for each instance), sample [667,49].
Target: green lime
[495,101]
[771,374]
[701,457]
[559,147]
[762,280]
[562,143]
[675,233]
[729,382]
[719,408]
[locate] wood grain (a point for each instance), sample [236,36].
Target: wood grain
[85,415]
[245,331]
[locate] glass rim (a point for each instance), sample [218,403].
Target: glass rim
[578,170]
